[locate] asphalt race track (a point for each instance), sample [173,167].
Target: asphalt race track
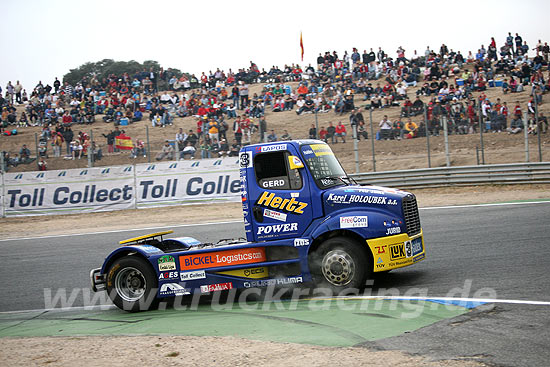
[497,251]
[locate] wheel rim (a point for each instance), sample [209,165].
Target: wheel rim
[130,284]
[338,267]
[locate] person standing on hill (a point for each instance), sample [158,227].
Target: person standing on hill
[510,42]
[243,93]
[331,130]
[68,136]
[56,85]
[519,41]
[381,54]
[110,141]
[263,128]
[18,88]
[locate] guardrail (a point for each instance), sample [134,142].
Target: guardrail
[495,174]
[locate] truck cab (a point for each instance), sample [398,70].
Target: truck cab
[298,190]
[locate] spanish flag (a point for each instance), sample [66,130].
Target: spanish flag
[302,45]
[124,142]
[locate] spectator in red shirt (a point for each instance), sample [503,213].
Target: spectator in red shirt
[517,110]
[323,134]
[340,132]
[67,119]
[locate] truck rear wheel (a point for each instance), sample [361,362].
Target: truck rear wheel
[132,284]
[339,263]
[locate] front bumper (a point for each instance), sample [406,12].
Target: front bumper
[97,279]
[397,251]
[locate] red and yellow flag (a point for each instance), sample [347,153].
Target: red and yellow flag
[302,46]
[124,142]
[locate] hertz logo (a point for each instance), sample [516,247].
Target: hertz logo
[287,205]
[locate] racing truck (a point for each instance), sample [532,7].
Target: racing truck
[305,220]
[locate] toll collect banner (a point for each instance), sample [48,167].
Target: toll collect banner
[120,187]
[68,191]
[187,182]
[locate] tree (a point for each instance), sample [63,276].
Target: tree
[102,69]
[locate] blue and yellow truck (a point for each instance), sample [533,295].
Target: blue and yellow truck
[305,219]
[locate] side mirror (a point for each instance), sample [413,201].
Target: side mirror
[295,162]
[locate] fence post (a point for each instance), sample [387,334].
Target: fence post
[91,146]
[372,137]
[148,145]
[539,128]
[526,136]
[36,146]
[354,127]
[427,134]
[2,167]
[481,128]
[2,174]
[135,187]
[90,152]
[446,133]
[316,125]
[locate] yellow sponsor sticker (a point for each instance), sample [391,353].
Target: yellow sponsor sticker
[397,251]
[321,149]
[252,273]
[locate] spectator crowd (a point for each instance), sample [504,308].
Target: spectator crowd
[228,115]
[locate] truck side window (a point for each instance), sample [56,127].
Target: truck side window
[272,172]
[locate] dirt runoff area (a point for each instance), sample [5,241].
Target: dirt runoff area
[191,214]
[195,351]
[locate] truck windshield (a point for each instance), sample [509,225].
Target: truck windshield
[324,166]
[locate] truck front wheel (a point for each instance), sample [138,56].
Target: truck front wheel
[339,263]
[132,284]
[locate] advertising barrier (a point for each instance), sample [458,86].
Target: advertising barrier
[119,187]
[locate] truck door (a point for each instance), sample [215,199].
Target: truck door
[280,197]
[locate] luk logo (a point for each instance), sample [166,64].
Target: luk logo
[397,251]
[286,205]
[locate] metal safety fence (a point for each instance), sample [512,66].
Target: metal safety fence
[496,174]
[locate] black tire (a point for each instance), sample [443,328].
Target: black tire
[340,263]
[132,284]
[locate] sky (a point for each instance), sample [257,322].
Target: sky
[44,39]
